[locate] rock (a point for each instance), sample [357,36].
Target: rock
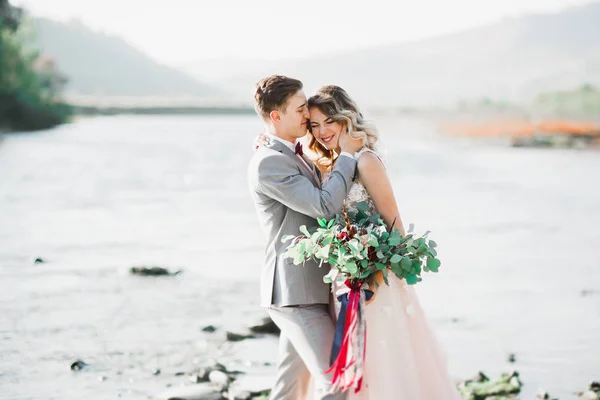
[78,365]
[209,329]
[480,377]
[219,367]
[179,373]
[256,385]
[39,261]
[236,337]
[542,395]
[102,378]
[239,395]
[156,372]
[512,358]
[195,392]
[266,326]
[152,271]
[203,374]
[219,378]
[482,388]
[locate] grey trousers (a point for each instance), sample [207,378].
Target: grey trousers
[304,348]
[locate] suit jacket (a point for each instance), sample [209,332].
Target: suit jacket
[287,195]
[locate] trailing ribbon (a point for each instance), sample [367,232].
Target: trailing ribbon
[349,343]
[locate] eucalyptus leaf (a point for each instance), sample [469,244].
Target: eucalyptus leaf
[304,230]
[323,253]
[373,241]
[327,240]
[406,264]
[287,238]
[385,277]
[331,276]
[362,206]
[433,264]
[351,267]
[395,258]
[355,246]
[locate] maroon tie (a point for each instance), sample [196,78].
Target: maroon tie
[298,149]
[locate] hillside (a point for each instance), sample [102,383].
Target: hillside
[103,65]
[512,60]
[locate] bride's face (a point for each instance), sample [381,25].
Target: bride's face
[326,131]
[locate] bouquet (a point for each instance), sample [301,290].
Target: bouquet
[359,246]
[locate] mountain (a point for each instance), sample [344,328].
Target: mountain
[512,60]
[103,65]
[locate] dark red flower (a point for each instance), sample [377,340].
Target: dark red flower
[372,253]
[343,236]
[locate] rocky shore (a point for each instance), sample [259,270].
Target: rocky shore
[240,365]
[248,376]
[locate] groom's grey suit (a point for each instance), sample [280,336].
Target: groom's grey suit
[287,194]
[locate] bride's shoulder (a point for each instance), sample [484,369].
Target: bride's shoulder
[367,158]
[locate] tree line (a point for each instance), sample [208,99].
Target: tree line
[29,84]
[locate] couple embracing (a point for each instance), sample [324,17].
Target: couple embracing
[403,360]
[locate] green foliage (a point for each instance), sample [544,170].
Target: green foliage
[359,245]
[27,98]
[508,386]
[584,101]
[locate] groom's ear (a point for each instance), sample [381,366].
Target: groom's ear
[275,116]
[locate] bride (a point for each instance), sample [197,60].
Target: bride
[403,359]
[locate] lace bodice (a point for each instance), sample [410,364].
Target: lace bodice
[357,191]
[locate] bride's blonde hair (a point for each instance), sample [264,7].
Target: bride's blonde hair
[338,106]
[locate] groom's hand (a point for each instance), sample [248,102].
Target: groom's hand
[349,144]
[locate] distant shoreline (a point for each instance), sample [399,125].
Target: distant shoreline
[161,110]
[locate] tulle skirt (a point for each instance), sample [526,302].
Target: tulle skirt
[404,360]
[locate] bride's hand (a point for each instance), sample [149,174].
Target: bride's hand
[260,140]
[374,283]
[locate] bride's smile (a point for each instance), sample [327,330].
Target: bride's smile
[325,131]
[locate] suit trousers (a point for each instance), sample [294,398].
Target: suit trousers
[304,349]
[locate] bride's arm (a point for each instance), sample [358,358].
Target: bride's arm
[374,178]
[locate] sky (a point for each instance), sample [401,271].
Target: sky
[177,32]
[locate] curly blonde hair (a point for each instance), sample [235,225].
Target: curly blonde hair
[337,105]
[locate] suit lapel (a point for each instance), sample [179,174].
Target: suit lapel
[280,147]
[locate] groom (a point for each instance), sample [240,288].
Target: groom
[287,193]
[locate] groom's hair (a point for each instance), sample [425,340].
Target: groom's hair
[273,92]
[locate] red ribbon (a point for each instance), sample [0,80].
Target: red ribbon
[346,373]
